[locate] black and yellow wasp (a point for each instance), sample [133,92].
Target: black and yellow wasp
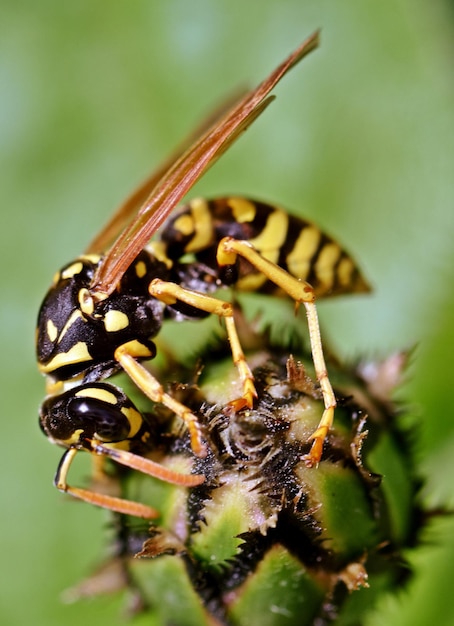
[103,309]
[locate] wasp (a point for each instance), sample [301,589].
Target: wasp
[104,308]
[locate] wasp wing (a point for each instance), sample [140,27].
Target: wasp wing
[186,170]
[126,211]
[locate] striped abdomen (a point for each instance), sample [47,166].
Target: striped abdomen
[294,244]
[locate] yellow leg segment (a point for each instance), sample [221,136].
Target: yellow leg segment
[133,461]
[99,499]
[302,293]
[319,435]
[152,388]
[147,466]
[171,292]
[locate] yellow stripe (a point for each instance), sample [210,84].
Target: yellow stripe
[75,315]
[273,236]
[74,438]
[268,243]
[86,302]
[324,267]
[299,260]
[72,270]
[134,418]
[52,331]
[92,258]
[115,321]
[243,210]
[345,271]
[141,269]
[158,250]
[184,224]
[202,226]
[78,354]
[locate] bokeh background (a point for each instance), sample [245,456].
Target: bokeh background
[360,139]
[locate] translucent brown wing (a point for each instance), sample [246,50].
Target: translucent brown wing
[182,174]
[126,211]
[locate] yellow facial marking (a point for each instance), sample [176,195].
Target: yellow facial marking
[243,210]
[77,354]
[99,394]
[202,226]
[74,438]
[324,267]
[52,331]
[134,418]
[115,321]
[141,269]
[72,270]
[300,258]
[273,236]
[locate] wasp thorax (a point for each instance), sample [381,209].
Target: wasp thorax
[78,333]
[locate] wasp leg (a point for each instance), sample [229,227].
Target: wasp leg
[119,505]
[301,292]
[171,292]
[147,466]
[152,388]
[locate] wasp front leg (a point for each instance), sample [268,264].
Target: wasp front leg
[133,461]
[170,293]
[152,388]
[302,293]
[103,500]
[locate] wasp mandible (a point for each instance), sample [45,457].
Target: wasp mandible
[104,309]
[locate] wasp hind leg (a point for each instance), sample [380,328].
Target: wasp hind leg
[302,293]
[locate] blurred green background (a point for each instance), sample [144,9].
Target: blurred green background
[360,139]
